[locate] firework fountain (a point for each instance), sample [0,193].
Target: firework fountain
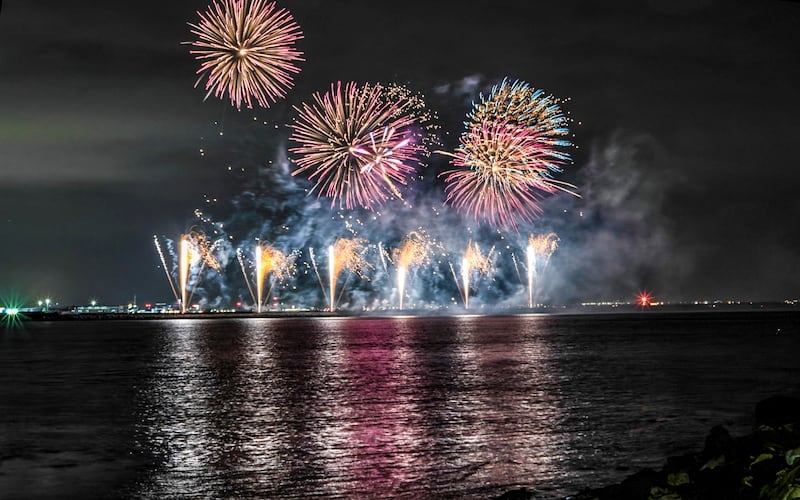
[192,248]
[332,274]
[184,263]
[267,260]
[413,251]
[345,253]
[473,260]
[540,247]
[261,270]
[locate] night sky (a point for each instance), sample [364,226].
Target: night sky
[687,158]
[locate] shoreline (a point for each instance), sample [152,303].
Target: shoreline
[761,465]
[600,310]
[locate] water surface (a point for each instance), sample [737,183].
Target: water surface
[447,407]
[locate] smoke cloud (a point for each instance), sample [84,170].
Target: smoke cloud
[614,240]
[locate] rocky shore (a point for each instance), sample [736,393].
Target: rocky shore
[763,465]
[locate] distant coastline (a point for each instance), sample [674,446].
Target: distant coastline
[582,309]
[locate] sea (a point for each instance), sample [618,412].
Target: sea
[375,407]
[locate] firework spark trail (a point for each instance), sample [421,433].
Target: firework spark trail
[516,266]
[166,271]
[247,50]
[504,164]
[316,270]
[382,254]
[455,279]
[356,144]
[240,258]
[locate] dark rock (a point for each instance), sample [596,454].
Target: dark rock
[764,465]
[777,410]
[682,462]
[639,484]
[719,443]
[520,494]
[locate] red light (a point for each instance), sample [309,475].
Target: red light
[644,299]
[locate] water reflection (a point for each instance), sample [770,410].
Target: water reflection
[510,384]
[458,407]
[176,414]
[405,406]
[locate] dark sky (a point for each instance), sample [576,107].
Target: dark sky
[689,125]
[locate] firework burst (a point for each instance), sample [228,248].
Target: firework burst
[501,172]
[521,105]
[506,158]
[246,49]
[357,144]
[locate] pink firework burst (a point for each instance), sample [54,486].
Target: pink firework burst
[356,144]
[502,171]
[247,50]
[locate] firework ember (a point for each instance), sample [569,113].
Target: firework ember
[246,49]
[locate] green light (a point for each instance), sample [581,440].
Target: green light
[11,314]
[11,317]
